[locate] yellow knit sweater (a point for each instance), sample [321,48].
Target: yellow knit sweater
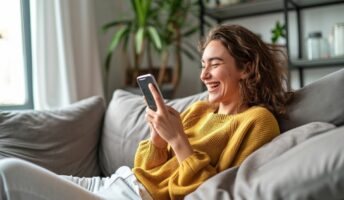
[219,142]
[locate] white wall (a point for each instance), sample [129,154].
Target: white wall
[314,19]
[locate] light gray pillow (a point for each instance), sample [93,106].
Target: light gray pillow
[125,126]
[64,141]
[322,100]
[303,163]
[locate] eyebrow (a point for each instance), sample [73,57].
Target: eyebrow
[213,58]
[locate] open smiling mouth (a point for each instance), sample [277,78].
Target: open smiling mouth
[212,86]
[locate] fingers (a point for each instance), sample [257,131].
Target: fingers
[149,115]
[172,110]
[157,97]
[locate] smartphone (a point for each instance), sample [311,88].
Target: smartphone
[143,82]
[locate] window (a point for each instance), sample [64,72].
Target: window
[15,55]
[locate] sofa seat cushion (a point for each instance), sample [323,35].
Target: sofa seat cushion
[125,126]
[64,141]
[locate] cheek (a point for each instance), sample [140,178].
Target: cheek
[230,84]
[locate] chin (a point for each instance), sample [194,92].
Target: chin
[212,99]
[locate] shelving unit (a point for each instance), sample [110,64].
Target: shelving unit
[263,7]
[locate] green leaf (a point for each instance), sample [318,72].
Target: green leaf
[153,33]
[146,8]
[138,5]
[139,38]
[114,23]
[116,39]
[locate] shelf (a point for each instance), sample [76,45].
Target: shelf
[260,7]
[315,3]
[338,61]
[245,9]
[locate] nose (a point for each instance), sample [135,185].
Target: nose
[204,74]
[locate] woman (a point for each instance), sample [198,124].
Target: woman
[246,92]
[245,86]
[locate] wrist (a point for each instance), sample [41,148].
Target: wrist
[181,147]
[159,143]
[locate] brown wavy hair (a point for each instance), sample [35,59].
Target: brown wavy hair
[266,81]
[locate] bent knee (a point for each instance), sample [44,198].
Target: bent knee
[8,165]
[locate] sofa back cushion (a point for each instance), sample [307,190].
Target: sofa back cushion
[322,100]
[64,141]
[125,126]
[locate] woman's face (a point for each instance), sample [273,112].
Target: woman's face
[220,74]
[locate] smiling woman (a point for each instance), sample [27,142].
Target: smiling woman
[15,62]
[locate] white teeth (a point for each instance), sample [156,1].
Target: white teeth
[213,85]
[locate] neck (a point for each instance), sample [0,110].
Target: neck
[232,108]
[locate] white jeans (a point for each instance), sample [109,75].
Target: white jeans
[23,180]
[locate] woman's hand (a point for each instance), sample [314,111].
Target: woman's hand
[167,124]
[155,137]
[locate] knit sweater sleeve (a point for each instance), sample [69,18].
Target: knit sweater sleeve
[148,156]
[192,172]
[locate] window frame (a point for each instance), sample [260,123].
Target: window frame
[26,32]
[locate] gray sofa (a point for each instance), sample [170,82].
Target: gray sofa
[89,139]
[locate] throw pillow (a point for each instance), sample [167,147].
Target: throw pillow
[64,141]
[292,166]
[125,126]
[321,100]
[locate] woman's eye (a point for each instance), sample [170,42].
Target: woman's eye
[215,65]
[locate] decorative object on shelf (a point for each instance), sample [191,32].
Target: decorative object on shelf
[159,27]
[317,47]
[229,2]
[221,3]
[338,39]
[278,32]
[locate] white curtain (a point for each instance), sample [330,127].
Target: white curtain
[66,62]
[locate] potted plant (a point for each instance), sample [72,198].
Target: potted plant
[278,32]
[158,27]
[138,32]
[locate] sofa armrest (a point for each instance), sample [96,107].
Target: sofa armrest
[64,141]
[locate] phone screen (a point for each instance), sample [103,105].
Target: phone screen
[143,82]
